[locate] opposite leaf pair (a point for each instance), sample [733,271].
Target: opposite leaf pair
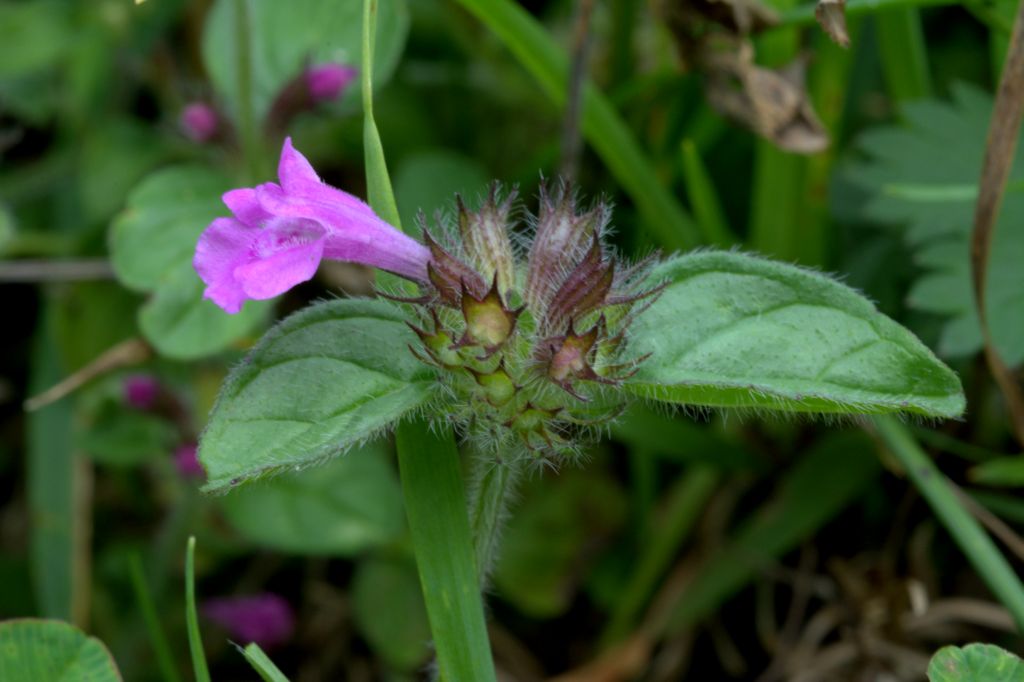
[525,352]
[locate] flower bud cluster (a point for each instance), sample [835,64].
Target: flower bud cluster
[527,338]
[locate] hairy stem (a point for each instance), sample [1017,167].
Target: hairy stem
[493,487]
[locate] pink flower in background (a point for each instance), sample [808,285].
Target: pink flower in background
[266,619]
[280,232]
[199,122]
[140,391]
[328,81]
[187,462]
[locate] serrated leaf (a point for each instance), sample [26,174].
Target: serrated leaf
[388,608]
[151,245]
[734,330]
[350,505]
[320,382]
[923,175]
[33,650]
[286,36]
[975,663]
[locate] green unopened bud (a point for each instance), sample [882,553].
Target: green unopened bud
[488,322]
[498,387]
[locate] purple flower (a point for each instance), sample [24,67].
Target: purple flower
[140,391]
[198,122]
[187,463]
[266,619]
[327,81]
[279,234]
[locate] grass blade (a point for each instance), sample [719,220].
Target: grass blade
[706,206]
[435,503]
[602,126]
[195,640]
[262,664]
[904,58]
[157,637]
[968,534]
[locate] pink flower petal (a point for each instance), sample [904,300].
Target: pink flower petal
[222,248]
[246,207]
[285,253]
[295,172]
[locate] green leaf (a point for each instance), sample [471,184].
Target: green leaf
[543,549]
[1004,471]
[183,325]
[285,36]
[121,437]
[733,330]
[923,175]
[388,608]
[262,664]
[975,663]
[320,382]
[34,650]
[152,243]
[33,36]
[349,505]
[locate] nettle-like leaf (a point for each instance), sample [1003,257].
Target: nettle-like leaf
[923,175]
[286,36]
[323,380]
[352,504]
[151,246]
[733,330]
[33,650]
[975,663]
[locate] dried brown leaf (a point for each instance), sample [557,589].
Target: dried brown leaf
[831,15]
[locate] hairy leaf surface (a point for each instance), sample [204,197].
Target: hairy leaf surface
[733,330]
[320,382]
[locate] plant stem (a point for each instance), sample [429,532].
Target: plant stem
[493,486]
[968,534]
[251,146]
[157,637]
[195,640]
[803,15]
[435,506]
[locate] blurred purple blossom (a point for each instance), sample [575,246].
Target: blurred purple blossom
[199,122]
[328,81]
[279,234]
[140,391]
[187,461]
[266,619]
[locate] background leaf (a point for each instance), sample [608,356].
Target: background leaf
[152,243]
[342,508]
[429,181]
[52,651]
[922,175]
[320,382]
[732,330]
[285,36]
[388,609]
[975,663]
